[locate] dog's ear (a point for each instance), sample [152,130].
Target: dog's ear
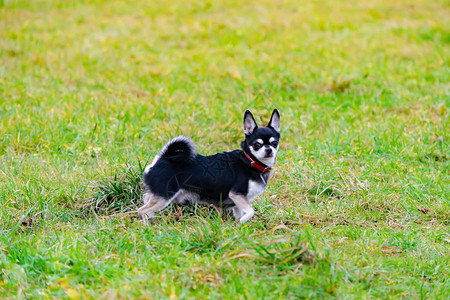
[275,121]
[249,123]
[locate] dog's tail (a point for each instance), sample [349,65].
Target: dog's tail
[180,149]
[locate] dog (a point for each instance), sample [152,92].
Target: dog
[228,180]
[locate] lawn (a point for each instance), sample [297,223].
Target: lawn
[358,205]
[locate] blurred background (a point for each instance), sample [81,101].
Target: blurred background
[78,74]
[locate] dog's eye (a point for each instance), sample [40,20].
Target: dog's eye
[257,145]
[274,143]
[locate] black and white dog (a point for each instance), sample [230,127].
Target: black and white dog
[229,180]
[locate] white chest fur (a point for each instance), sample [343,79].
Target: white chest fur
[254,189]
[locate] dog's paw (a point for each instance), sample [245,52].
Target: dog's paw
[144,219]
[247,216]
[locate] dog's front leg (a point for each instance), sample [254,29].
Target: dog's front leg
[243,206]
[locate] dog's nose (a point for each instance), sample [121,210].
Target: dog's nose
[268,150]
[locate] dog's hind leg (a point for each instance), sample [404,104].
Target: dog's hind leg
[146,197]
[185,197]
[152,204]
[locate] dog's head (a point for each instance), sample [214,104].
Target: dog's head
[262,142]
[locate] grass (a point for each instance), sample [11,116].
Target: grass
[358,206]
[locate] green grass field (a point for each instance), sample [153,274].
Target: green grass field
[358,205]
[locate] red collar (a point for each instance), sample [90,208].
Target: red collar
[257,165]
